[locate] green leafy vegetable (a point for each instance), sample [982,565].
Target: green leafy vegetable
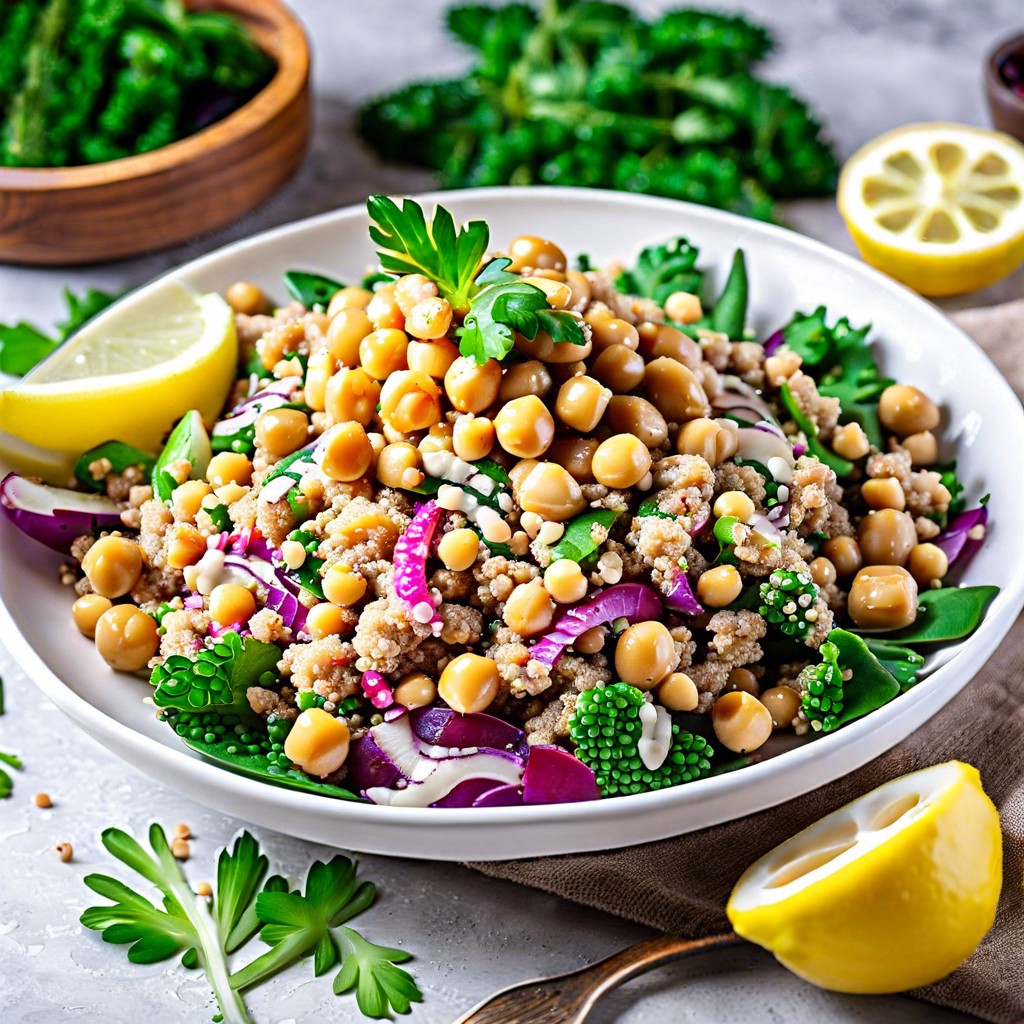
[842,467]
[245,902]
[663,269]
[6,782]
[649,507]
[314,291]
[585,93]
[22,346]
[578,541]
[188,441]
[902,663]
[946,614]
[119,455]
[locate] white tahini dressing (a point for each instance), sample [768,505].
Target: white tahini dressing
[655,737]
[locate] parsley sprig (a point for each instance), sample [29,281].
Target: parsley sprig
[496,304]
[295,924]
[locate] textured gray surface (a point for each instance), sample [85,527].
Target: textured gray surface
[870,66]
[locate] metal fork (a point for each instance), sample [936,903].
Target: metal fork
[568,998]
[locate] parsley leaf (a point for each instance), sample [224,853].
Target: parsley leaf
[371,970]
[507,304]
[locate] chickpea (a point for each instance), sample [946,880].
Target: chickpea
[86,612]
[229,468]
[186,547]
[576,455]
[431,357]
[657,340]
[645,654]
[458,549]
[850,441]
[591,641]
[581,403]
[558,292]
[410,401]
[324,620]
[743,679]
[282,431]
[413,289]
[429,319]
[823,572]
[544,347]
[734,503]
[923,448]
[844,554]
[883,597]
[713,440]
[607,329]
[342,586]
[619,368]
[741,722]
[783,704]
[187,499]
[551,492]
[905,410]
[621,461]
[519,472]
[883,492]
[522,379]
[678,692]
[471,387]
[395,460]
[529,609]
[383,352]
[581,290]
[524,427]
[719,586]
[344,335]
[416,690]
[565,582]
[473,437]
[347,452]
[126,637]
[927,562]
[317,742]
[351,297]
[318,373]
[886,537]
[352,394]
[528,253]
[675,391]
[627,414]
[231,604]
[683,308]
[384,311]
[113,565]
[247,298]
[469,683]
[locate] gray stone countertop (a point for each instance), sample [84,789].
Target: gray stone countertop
[869,66]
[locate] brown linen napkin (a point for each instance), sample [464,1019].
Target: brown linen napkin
[681,884]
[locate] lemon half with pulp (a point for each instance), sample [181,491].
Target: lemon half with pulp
[129,376]
[939,207]
[892,891]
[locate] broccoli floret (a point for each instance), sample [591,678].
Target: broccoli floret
[822,686]
[787,601]
[606,729]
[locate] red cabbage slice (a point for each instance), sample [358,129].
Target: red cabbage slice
[681,598]
[501,796]
[554,776]
[410,560]
[55,516]
[956,541]
[450,729]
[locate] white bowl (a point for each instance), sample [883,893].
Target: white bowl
[982,424]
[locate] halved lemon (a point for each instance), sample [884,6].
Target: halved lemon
[939,206]
[127,376]
[892,891]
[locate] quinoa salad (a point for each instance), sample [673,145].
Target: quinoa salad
[496,526]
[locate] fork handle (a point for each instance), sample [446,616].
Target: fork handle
[602,977]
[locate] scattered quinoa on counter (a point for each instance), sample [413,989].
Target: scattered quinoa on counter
[489,530]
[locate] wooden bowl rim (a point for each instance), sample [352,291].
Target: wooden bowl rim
[288,82]
[1014,44]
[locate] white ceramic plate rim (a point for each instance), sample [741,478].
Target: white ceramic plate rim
[665,810]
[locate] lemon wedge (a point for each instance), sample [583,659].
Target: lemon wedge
[939,207]
[892,891]
[129,376]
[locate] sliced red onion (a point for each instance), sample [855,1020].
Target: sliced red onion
[765,529]
[277,490]
[699,522]
[410,561]
[779,515]
[681,599]
[466,793]
[737,393]
[55,516]
[554,776]
[634,602]
[193,601]
[446,727]
[771,428]
[956,540]
[799,450]
[774,342]
[377,690]
[757,445]
[281,593]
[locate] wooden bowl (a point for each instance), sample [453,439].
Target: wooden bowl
[1007,107]
[87,214]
